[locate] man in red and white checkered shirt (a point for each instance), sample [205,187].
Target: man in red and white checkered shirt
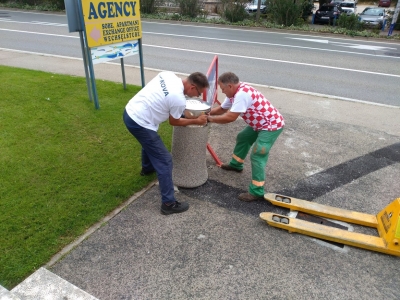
[265,124]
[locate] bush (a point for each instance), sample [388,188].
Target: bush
[235,12]
[45,5]
[190,8]
[147,6]
[350,22]
[307,8]
[176,17]
[59,4]
[287,12]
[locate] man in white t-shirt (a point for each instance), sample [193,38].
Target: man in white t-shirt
[163,98]
[264,125]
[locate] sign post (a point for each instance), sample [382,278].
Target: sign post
[110,30]
[90,63]
[211,98]
[75,25]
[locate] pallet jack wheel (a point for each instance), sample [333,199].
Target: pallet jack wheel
[285,221]
[286,200]
[276,219]
[278,198]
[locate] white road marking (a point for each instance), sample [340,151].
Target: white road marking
[41,33]
[185,74]
[285,45]
[257,31]
[7,20]
[275,60]
[311,40]
[355,46]
[48,24]
[231,55]
[350,45]
[368,47]
[34,13]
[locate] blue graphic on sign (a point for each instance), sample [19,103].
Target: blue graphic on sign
[109,52]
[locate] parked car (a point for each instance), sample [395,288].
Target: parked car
[339,2]
[327,13]
[336,2]
[251,7]
[373,16]
[349,7]
[384,3]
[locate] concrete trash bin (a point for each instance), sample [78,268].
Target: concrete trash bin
[189,150]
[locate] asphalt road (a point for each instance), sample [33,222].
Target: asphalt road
[359,69]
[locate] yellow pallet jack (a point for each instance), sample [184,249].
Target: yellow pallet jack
[387,222]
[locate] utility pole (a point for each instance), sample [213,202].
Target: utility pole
[394,20]
[258,10]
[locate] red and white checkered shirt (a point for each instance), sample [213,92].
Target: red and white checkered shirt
[260,113]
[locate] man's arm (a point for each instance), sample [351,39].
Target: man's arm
[201,120]
[218,110]
[223,119]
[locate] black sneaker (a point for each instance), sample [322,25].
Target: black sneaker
[146,173]
[175,208]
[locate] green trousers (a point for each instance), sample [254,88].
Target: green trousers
[262,142]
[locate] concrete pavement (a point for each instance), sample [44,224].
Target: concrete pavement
[340,153]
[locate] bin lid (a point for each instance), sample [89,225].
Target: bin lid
[193,104]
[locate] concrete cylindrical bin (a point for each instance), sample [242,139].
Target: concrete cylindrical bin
[189,150]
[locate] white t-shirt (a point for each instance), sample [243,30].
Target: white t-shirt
[239,103]
[161,97]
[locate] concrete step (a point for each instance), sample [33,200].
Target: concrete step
[6,294]
[44,284]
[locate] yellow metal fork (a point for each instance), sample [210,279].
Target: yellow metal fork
[387,222]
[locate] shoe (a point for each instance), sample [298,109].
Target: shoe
[246,197]
[228,167]
[175,208]
[146,173]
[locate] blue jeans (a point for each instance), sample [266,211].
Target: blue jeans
[155,157]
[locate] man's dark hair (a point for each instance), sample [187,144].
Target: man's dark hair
[199,79]
[228,78]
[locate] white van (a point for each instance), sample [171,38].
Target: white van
[251,7]
[349,7]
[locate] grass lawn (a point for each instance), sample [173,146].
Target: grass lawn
[63,164]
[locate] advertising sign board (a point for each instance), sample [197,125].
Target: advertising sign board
[110,22]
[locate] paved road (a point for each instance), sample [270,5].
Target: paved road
[348,68]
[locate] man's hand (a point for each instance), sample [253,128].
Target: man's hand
[202,120]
